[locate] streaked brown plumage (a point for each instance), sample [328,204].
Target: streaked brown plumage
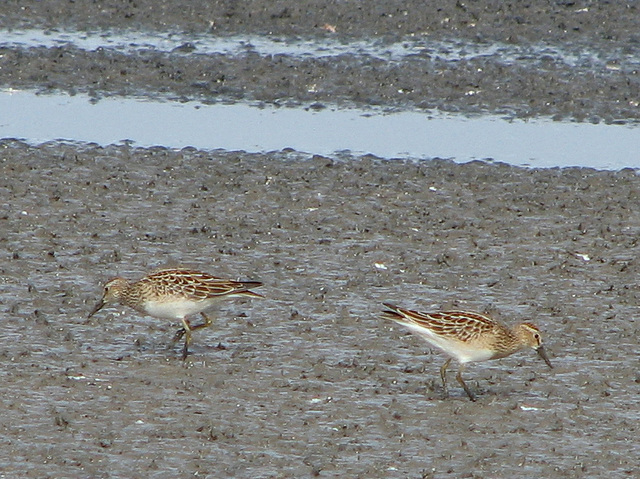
[175,293]
[467,337]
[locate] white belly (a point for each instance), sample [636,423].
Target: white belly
[462,351]
[176,309]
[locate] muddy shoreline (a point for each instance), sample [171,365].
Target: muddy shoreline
[603,86]
[574,21]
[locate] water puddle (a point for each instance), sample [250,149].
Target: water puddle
[129,42]
[539,143]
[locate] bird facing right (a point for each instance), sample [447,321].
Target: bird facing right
[467,337]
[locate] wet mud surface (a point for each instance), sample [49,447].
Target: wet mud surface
[310,381]
[578,60]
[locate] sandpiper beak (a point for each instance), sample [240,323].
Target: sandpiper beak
[543,354]
[97,308]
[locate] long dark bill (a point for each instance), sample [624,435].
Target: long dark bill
[543,354]
[97,308]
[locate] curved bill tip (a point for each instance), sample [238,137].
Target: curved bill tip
[543,354]
[97,308]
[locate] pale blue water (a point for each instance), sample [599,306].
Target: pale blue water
[536,143]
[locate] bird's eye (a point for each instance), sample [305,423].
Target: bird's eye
[537,336]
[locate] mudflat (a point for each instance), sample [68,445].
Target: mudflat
[310,381]
[567,60]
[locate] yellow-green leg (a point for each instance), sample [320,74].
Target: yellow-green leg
[463,384]
[186,330]
[443,375]
[206,324]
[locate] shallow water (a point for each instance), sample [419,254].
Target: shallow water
[131,42]
[537,143]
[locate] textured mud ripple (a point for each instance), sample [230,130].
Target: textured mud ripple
[309,381]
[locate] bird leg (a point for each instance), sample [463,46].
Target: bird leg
[186,332]
[443,375]
[206,324]
[179,333]
[463,384]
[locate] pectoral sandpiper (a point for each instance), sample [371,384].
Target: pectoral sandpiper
[175,294]
[467,337]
